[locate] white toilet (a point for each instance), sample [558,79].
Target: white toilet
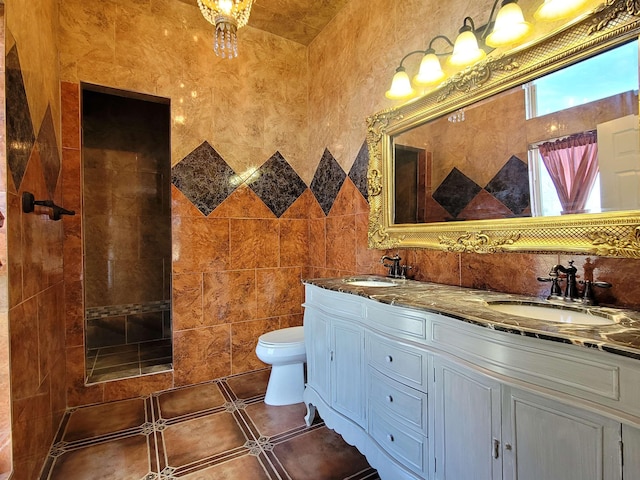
[284,350]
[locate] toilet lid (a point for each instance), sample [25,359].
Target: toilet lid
[283,337]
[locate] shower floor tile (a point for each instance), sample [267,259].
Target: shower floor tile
[113,363]
[214,430]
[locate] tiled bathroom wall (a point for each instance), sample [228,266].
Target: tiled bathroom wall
[34,263]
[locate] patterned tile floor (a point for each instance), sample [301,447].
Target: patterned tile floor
[218,430]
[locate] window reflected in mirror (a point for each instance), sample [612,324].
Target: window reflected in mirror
[565,143]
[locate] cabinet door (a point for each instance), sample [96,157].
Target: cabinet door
[631,439]
[316,340]
[347,369]
[467,424]
[546,439]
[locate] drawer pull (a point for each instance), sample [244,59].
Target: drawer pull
[389,358]
[389,398]
[390,437]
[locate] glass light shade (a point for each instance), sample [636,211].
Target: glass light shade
[400,86]
[466,50]
[558,9]
[509,27]
[430,70]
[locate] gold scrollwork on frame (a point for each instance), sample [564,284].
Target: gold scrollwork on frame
[477,242]
[614,234]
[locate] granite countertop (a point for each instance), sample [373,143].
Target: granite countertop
[472,306]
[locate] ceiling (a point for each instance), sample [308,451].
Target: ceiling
[296,20]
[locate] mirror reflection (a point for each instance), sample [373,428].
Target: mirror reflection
[565,143]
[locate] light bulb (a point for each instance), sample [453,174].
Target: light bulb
[465,49]
[558,9]
[400,85]
[509,27]
[430,70]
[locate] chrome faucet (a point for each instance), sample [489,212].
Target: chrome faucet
[395,269]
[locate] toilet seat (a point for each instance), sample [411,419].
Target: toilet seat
[286,337]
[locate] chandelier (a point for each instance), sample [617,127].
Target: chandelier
[227,16]
[508,28]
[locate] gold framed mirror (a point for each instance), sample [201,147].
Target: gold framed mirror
[607,233]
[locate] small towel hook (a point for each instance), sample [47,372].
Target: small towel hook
[29,202]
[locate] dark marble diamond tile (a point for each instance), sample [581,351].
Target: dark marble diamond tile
[455,192]
[359,170]
[327,181]
[204,178]
[511,185]
[277,184]
[48,148]
[20,135]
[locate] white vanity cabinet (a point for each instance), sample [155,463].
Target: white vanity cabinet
[426,396]
[544,438]
[467,423]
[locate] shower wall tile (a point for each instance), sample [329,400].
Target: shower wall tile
[229,297]
[23,343]
[105,332]
[201,354]
[70,100]
[74,318]
[254,243]
[187,301]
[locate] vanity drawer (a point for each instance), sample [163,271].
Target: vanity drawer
[407,446]
[397,320]
[334,303]
[406,364]
[407,405]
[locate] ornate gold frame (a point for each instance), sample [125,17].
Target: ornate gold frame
[606,234]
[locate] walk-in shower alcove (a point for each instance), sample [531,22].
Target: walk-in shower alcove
[127,233]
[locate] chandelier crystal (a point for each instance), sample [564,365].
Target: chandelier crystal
[227,16]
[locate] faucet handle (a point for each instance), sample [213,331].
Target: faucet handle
[556,291]
[588,295]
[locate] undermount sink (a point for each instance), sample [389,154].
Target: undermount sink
[551,313]
[370,282]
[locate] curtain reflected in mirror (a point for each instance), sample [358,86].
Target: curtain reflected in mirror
[567,142]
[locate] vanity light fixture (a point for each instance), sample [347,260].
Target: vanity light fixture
[557,9]
[509,27]
[227,16]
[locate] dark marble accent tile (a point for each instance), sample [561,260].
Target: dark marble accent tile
[48,148]
[327,181]
[277,184]
[511,185]
[204,178]
[20,134]
[359,170]
[455,192]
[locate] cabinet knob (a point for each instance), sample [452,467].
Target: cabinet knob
[507,446]
[389,358]
[389,398]
[390,437]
